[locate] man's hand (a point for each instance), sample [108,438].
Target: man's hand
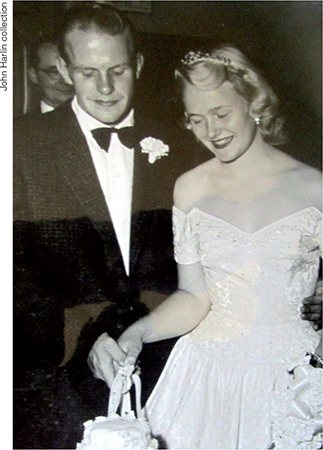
[105,358]
[312,311]
[106,355]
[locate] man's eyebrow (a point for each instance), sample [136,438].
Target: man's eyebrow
[84,68]
[122,64]
[88,67]
[48,67]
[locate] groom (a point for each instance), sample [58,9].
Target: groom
[92,208]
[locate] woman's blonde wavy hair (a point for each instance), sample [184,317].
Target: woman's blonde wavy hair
[227,63]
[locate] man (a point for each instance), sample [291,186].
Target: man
[43,73]
[92,226]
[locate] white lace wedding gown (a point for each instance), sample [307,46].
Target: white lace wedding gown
[227,384]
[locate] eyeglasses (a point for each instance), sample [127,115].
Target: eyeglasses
[52,72]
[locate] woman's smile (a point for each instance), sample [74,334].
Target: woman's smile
[222,143]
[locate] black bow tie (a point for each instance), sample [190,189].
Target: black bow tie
[103,136]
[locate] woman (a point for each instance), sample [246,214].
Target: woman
[247,236]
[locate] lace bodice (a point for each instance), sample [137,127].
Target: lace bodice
[235,379]
[256,281]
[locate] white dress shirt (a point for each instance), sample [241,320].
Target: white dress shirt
[44,108]
[115,173]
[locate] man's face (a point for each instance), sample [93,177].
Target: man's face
[102,72]
[54,90]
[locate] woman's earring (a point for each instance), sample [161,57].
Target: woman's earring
[257,120]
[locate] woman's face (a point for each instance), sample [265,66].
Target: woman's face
[220,120]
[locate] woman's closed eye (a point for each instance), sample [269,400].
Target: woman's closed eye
[118,71]
[197,120]
[222,113]
[87,73]
[222,116]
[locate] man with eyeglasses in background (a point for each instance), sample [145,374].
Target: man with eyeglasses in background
[42,71]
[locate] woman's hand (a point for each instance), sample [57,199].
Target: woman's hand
[312,308]
[131,342]
[177,315]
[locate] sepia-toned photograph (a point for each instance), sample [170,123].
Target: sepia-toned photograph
[167,224]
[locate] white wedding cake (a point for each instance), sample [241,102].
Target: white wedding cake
[115,432]
[125,431]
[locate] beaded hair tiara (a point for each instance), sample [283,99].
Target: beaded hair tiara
[193,57]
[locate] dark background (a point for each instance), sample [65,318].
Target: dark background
[282,37]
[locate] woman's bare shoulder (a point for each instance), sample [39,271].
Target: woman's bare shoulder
[309,180]
[303,180]
[288,163]
[302,171]
[190,186]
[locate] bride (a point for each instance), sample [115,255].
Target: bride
[247,229]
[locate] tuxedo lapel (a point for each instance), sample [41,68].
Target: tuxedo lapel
[139,184]
[149,179]
[75,163]
[149,193]
[74,160]
[138,224]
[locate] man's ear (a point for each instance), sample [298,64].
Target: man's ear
[32,75]
[140,63]
[62,68]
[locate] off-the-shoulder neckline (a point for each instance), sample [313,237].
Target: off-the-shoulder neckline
[261,230]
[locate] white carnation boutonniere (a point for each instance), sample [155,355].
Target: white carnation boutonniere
[155,148]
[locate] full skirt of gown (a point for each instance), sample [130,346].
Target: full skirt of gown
[241,378]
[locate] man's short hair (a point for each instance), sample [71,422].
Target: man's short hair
[94,15]
[34,47]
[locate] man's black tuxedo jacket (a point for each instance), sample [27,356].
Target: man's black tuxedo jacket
[66,251]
